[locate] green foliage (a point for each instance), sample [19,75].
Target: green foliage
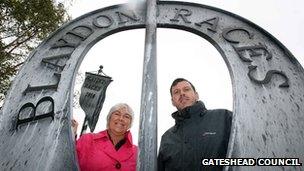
[23,24]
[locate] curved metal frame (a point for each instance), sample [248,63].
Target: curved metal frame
[268,118]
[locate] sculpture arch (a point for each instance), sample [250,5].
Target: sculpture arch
[268,85]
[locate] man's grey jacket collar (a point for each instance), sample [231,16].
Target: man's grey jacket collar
[197,108]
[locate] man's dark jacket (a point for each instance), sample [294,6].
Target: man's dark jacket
[198,133]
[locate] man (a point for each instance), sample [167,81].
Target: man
[198,133]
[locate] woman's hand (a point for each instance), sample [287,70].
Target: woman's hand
[74,127]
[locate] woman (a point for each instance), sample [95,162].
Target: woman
[111,149]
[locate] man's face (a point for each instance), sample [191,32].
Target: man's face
[183,95]
[120,121]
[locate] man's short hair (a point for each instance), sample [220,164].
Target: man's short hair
[177,80]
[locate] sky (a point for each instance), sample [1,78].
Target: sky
[180,54]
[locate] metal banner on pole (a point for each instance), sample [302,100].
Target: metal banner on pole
[93,93]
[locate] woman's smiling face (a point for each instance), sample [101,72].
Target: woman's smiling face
[120,121]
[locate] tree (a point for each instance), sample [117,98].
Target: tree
[23,24]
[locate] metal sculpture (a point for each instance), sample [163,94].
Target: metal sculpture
[268,87]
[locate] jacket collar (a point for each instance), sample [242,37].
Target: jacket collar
[197,108]
[104,135]
[123,154]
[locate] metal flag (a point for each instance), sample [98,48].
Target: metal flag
[92,96]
